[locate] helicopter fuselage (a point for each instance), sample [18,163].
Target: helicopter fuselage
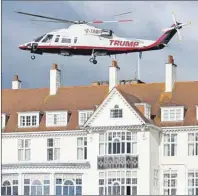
[83,39]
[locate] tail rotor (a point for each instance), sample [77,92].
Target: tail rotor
[177,26]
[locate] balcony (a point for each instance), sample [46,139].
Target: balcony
[117,162]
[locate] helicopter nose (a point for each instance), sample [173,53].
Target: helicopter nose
[22,47]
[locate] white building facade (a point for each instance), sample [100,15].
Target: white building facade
[125,139]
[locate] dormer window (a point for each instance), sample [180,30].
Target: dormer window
[84,116]
[197,111]
[28,119]
[145,109]
[116,112]
[169,114]
[56,118]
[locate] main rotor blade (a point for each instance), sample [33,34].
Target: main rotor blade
[174,19]
[179,35]
[47,21]
[113,21]
[51,18]
[123,14]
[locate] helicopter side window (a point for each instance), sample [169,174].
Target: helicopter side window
[57,38]
[75,39]
[48,38]
[66,40]
[39,38]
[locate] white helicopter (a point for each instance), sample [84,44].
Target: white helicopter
[83,39]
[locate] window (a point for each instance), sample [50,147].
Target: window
[148,111]
[193,144]
[24,149]
[39,38]
[118,183]
[56,119]
[84,116]
[68,184]
[75,39]
[156,178]
[47,39]
[170,182]
[34,186]
[9,188]
[170,144]
[57,38]
[53,149]
[66,40]
[172,114]
[81,148]
[116,112]
[28,120]
[118,143]
[193,182]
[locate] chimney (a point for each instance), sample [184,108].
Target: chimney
[16,83]
[55,79]
[113,75]
[170,77]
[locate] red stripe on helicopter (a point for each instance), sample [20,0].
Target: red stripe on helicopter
[125,20]
[98,21]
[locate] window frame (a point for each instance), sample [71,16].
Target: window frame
[194,179]
[60,180]
[193,143]
[169,114]
[12,186]
[24,149]
[59,113]
[54,149]
[82,148]
[28,114]
[123,178]
[29,184]
[171,144]
[116,112]
[87,113]
[128,143]
[169,187]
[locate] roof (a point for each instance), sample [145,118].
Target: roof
[86,97]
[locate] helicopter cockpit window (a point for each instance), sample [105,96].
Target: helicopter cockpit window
[48,38]
[57,38]
[66,40]
[39,38]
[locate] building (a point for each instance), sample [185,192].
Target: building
[115,137]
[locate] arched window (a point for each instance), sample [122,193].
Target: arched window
[116,188]
[68,187]
[6,188]
[36,188]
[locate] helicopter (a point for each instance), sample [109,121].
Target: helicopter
[82,38]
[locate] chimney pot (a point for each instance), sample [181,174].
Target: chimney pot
[170,59]
[54,66]
[16,78]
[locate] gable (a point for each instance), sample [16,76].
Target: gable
[102,116]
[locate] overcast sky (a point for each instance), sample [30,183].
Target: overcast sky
[151,18]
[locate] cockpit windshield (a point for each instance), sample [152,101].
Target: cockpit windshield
[48,38]
[39,38]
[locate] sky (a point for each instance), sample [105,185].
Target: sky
[150,18]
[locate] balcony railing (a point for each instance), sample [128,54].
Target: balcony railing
[117,161]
